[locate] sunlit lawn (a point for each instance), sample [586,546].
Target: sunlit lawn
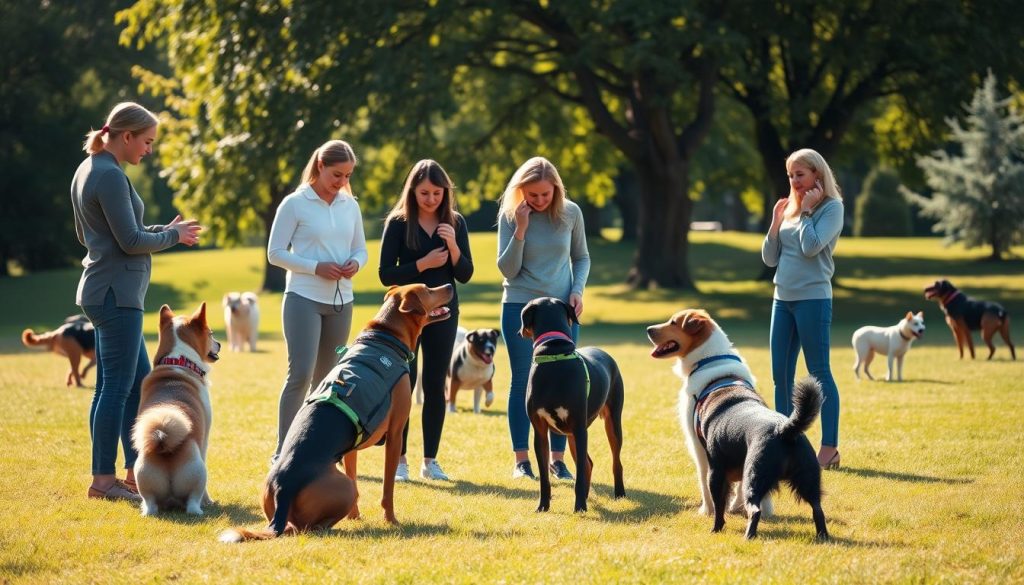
[929,490]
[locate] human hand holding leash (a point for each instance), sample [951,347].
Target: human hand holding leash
[523,211]
[329,270]
[188,230]
[576,302]
[349,268]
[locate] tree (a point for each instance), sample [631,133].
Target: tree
[250,79]
[806,70]
[62,71]
[978,193]
[881,208]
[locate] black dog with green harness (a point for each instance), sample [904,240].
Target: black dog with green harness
[567,390]
[351,401]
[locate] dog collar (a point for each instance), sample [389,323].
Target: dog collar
[949,298]
[551,335]
[183,362]
[905,338]
[725,356]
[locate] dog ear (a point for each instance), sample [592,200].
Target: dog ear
[496,333]
[695,322]
[411,303]
[166,314]
[527,318]
[200,314]
[471,336]
[909,316]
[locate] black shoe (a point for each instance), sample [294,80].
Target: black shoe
[560,470]
[523,469]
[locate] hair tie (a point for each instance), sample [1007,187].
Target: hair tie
[104,129]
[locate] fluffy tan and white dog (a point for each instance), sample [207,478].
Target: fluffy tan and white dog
[241,320]
[691,336]
[893,342]
[172,431]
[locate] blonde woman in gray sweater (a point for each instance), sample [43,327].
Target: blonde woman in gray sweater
[803,234]
[542,252]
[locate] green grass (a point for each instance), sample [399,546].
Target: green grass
[929,491]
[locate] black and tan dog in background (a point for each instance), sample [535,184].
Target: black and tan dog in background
[365,400]
[472,366]
[75,339]
[964,315]
[568,388]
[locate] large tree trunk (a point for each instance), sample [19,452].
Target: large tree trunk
[626,199]
[273,276]
[661,259]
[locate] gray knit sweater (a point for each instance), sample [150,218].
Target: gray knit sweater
[551,261]
[803,253]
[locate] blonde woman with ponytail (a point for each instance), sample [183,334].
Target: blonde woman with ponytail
[318,237]
[803,235]
[112,290]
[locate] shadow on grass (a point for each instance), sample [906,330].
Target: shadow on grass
[236,513]
[897,476]
[351,529]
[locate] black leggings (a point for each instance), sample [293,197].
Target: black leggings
[436,345]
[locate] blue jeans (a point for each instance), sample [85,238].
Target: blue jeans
[520,357]
[121,364]
[806,325]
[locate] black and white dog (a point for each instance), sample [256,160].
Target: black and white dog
[731,434]
[472,366]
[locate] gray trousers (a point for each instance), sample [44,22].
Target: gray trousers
[312,332]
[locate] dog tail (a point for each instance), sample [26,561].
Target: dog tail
[235,535]
[161,429]
[807,399]
[29,338]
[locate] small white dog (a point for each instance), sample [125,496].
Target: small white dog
[241,320]
[893,341]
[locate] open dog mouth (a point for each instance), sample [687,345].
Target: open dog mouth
[487,358]
[918,334]
[213,355]
[929,293]
[665,349]
[439,313]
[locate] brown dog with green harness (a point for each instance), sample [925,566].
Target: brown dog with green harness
[365,399]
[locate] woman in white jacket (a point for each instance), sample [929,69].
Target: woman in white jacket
[318,238]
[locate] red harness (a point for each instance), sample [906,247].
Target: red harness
[183,362]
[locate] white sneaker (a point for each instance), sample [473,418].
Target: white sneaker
[432,470]
[402,473]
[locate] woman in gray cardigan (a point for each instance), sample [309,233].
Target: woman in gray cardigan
[803,234]
[108,221]
[542,252]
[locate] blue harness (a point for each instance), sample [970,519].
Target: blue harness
[714,386]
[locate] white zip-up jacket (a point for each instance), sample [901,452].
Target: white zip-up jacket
[307,231]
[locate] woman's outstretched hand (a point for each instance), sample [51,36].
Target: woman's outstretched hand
[188,230]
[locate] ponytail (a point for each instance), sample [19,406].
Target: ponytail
[125,117]
[330,153]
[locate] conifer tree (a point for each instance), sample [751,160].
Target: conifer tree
[978,190]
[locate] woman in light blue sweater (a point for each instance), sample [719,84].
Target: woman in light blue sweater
[803,235]
[542,252]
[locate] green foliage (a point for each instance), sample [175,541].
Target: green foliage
[881,208]
[62,71]
[978,191]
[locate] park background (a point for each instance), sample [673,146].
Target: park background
[658,115]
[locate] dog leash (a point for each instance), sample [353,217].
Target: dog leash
[337,295]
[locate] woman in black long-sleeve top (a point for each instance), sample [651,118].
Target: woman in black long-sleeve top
[425,240]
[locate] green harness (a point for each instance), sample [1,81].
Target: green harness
[335,389]
[546,359]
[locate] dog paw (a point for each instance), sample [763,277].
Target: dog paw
[705,510]
[543,507]
[194,510]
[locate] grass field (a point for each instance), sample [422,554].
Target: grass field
[929,490]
